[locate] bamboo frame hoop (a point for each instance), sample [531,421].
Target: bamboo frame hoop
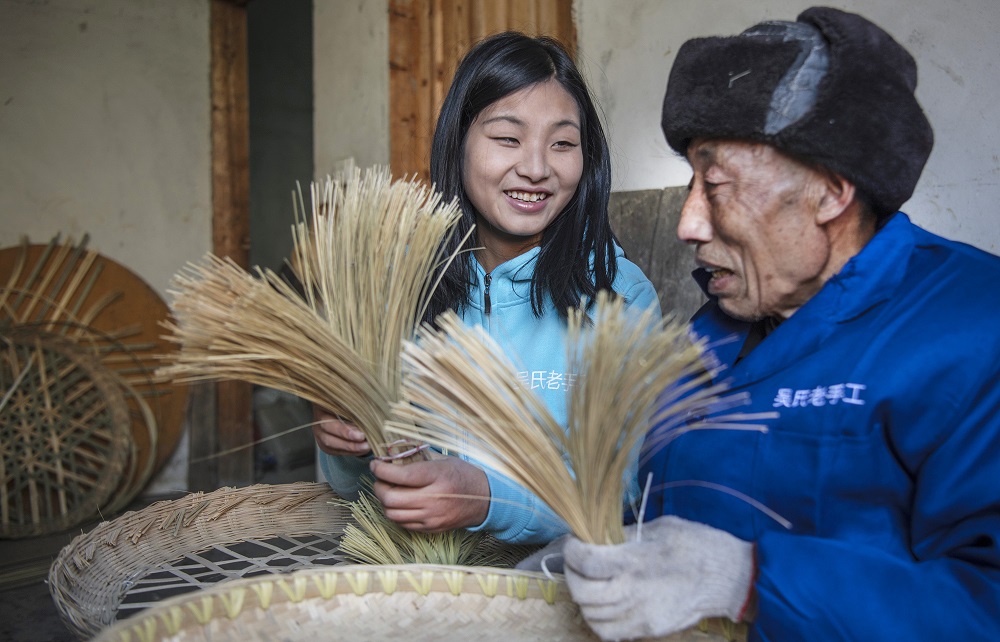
[177,546]
[64,434]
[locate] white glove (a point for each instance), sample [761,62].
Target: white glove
[547,560]
[679,573]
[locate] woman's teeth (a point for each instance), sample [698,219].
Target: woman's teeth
[528,197]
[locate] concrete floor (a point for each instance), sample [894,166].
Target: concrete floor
[27,612]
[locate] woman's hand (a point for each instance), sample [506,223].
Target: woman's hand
[336,436]
[432,496]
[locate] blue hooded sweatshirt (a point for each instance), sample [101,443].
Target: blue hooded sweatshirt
[537,347]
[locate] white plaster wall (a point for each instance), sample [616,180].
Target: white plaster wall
[351,83]
[627,47]
[104,128]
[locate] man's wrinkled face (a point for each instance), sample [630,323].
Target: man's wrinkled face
[751,215]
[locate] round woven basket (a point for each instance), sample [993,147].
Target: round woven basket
[64,433]
[64,289]
[174,547]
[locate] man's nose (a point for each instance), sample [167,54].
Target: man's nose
[694,225]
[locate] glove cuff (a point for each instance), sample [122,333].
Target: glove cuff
[730,574]
[748,612]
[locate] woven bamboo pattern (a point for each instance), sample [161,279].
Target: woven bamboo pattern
[64,434]
[64,290]
[194,542]
[416,602]
[358,602]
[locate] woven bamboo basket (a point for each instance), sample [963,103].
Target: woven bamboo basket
[173,547]
[97,313]
[64,433]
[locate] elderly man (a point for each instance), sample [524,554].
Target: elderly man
[870,509]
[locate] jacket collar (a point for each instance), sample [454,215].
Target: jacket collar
[866,281]
[522,267]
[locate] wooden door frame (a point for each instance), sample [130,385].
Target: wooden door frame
[221,416]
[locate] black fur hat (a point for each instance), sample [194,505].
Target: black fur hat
[831,88]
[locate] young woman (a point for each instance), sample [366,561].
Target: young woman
[519,142]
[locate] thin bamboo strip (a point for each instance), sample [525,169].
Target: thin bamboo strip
[79,271]
[374,539]
[36,269]
[78,265]
[38,294]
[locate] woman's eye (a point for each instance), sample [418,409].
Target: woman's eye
[506,140]
[565,144]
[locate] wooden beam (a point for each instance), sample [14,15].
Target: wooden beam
[427,38]
[230,226]
[411,114]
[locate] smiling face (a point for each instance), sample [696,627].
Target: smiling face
[753,215]
[523,162]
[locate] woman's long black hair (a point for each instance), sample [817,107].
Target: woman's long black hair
[494,68]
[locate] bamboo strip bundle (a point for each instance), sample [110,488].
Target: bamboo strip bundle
[373,539]
[366,265]
[632,372]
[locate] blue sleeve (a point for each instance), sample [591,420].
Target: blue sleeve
[949,590]
[344,473]
[641,295]
[516,515]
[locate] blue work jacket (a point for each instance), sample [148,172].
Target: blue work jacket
[885,456]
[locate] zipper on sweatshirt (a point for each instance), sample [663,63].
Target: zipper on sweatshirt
[487,306]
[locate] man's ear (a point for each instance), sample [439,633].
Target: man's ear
[837,196]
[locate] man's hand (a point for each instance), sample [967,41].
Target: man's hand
[679,573]
[432,496]
[334,436]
